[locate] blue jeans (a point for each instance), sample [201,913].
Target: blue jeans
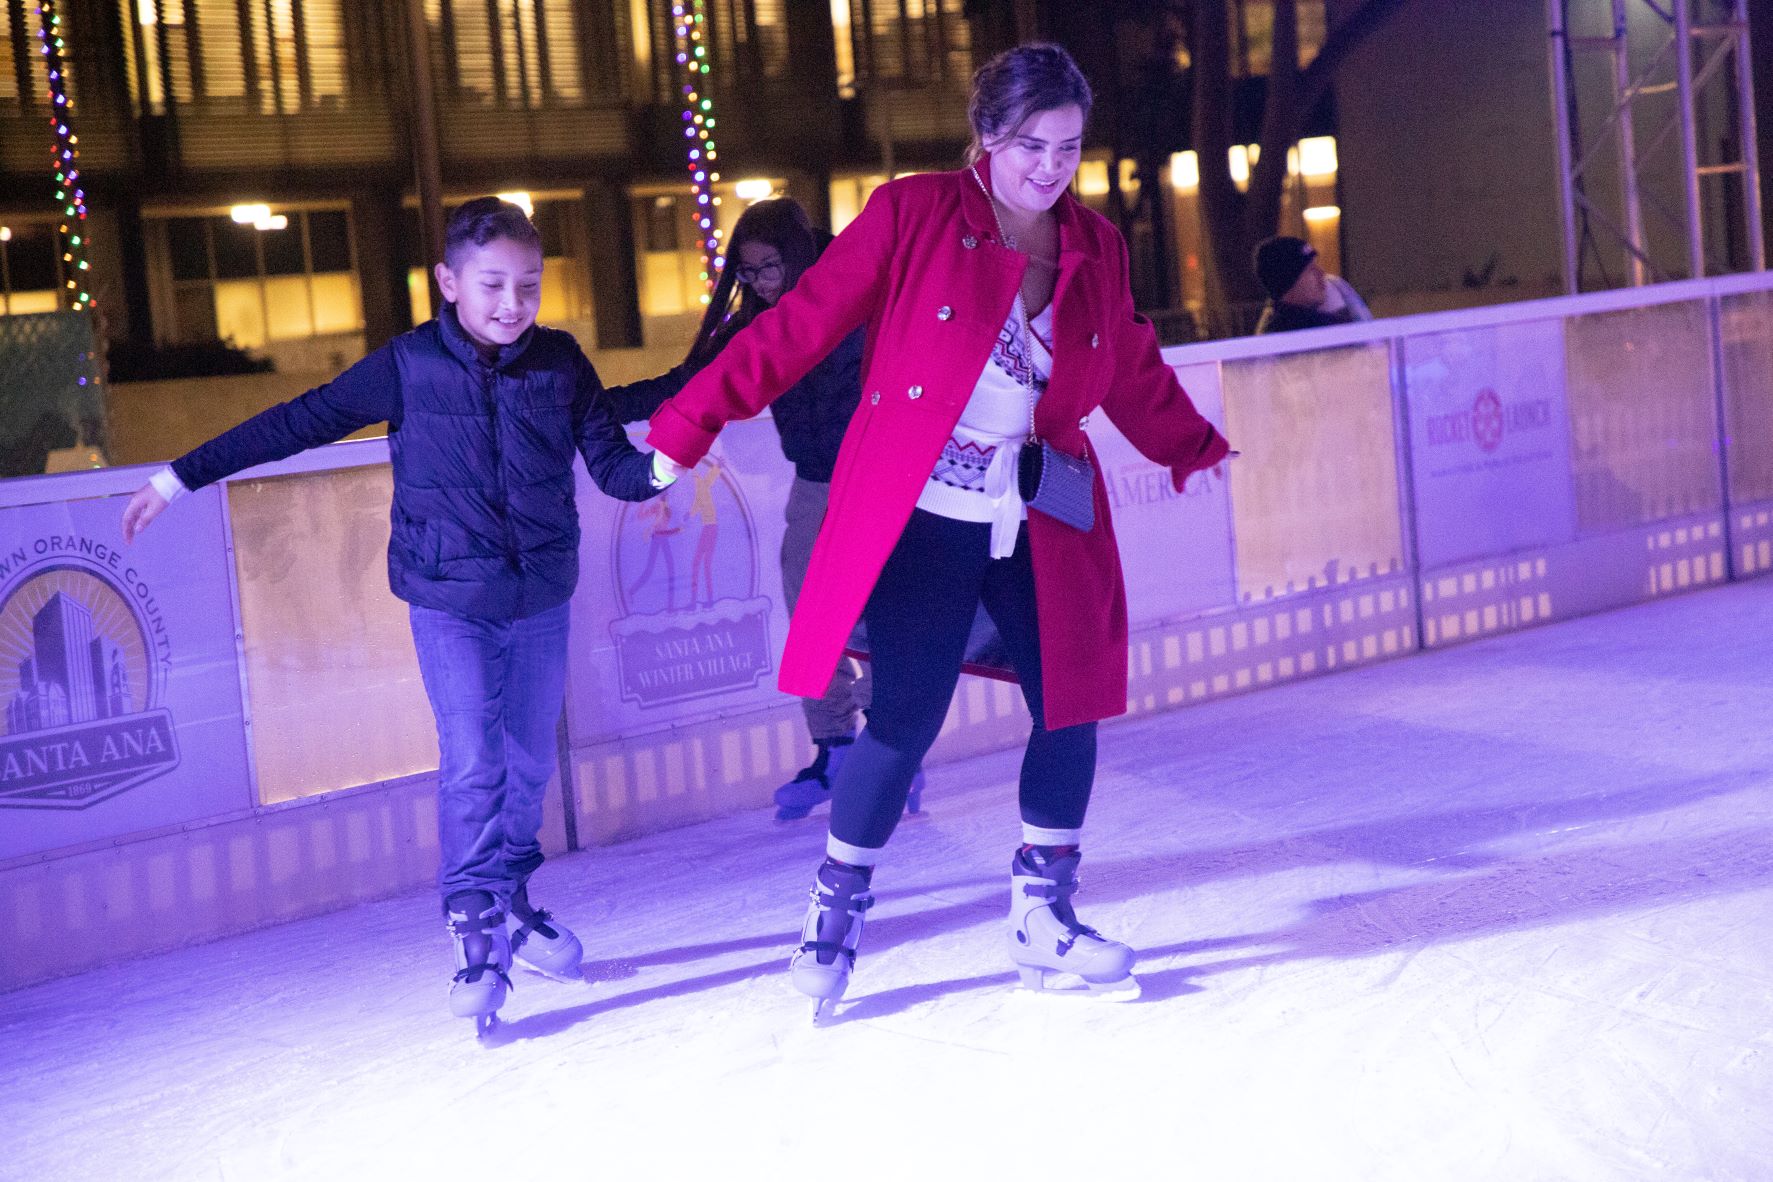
[496,688]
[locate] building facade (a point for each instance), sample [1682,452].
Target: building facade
[251,165]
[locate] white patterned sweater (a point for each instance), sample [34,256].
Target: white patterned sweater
[975,476]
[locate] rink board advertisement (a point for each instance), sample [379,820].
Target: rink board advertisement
[1175,547]
[679,612]
[1489,441]
[118,674]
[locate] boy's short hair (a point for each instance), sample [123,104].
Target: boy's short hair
[482,220]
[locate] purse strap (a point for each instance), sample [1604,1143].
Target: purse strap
[1020,305]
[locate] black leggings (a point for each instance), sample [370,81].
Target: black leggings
[919,618]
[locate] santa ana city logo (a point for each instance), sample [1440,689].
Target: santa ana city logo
[1489,421]
[83,658]
[691,621]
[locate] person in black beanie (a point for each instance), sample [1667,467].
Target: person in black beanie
[1300,293]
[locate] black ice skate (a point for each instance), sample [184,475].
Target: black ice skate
[811,785]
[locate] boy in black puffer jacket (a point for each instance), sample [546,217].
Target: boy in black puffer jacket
[485,411]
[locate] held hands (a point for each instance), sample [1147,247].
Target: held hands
[666,470]
[143,508]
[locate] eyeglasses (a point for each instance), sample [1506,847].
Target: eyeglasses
[771,270]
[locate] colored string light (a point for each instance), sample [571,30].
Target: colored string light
[691,23]
[66,154]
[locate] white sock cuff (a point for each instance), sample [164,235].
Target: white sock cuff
[854,855]
[1035,835]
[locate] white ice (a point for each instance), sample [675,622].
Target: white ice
[1498,912]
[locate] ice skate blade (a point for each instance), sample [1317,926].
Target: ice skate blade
[572,978]
[1058,983]
[824,1010]
[485,1025]
[793,814]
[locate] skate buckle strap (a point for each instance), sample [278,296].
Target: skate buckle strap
[1077,932]
[467,925]
[833,947]
[537,922]
[1046,888]
[829,900]
[472,974]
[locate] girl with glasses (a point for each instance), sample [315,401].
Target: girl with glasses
[771,246]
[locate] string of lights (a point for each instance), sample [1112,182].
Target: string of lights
[68,191]
[691,20]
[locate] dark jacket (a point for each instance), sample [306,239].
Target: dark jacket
[484,520]
[1283,317]
[810,418]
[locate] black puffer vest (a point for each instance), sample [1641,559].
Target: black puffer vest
[484,521]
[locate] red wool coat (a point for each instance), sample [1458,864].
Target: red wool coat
[923,268]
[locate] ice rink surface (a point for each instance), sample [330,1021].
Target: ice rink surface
[1498,912]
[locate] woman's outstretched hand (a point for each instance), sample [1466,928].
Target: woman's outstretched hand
[143,508]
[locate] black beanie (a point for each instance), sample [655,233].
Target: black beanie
[1279,263]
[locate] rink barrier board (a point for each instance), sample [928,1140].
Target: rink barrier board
[1257,645]
[1751,539]
[151,892]
[1467,601]
[1256,623]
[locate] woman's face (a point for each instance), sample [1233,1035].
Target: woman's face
[1032,165]
[760,269]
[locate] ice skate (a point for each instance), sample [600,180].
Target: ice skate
[541,943]
[483,956]
[1046,938]
[811,785]
[822,964]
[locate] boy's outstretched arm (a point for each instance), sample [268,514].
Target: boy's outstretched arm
[636,402]
[368,392]
[616,466]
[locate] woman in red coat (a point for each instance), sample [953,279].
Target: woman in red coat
[994,303]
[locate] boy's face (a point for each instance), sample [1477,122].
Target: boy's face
[496,289]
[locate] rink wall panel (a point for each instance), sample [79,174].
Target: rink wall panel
[82,908]
[223,727]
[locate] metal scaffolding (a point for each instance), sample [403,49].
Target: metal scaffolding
[1696,51]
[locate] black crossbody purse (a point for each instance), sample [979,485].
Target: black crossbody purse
[1061,485]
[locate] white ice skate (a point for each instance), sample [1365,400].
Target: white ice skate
[483,959]
[541,943]
[821,966]
[1047,940]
